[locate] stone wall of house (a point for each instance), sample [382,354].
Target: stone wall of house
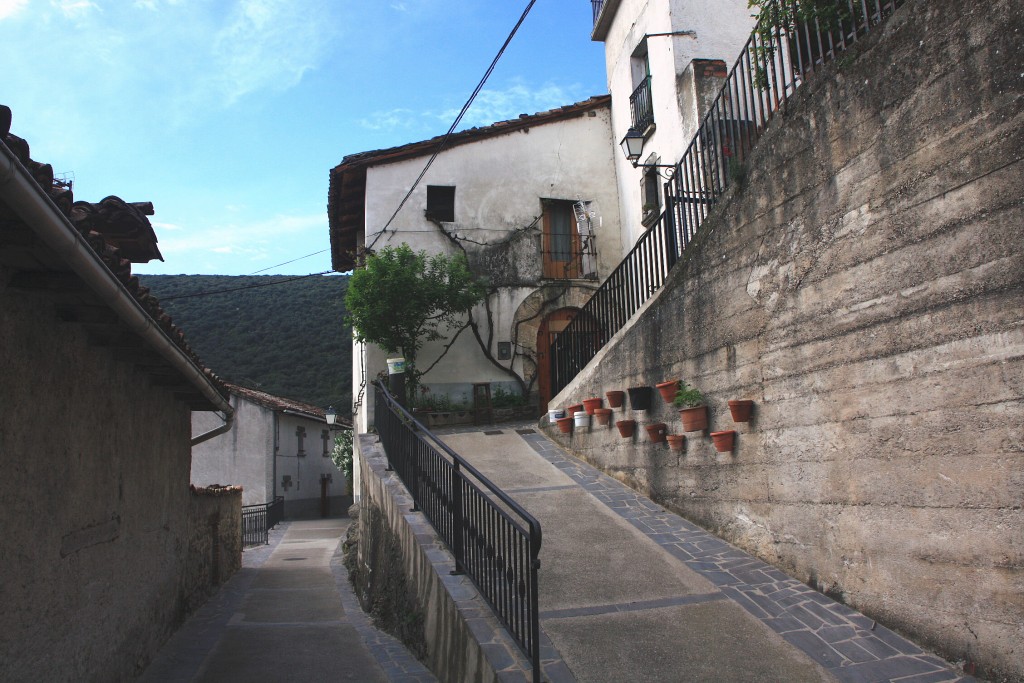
[866,289]
[94,501]
[214,542]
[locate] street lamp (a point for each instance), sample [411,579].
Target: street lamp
[633,146]
[331,415]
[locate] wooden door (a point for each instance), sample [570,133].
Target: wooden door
[549,327]
[561,248]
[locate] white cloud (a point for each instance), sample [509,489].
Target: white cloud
[256,238]
[501,105]
[74,9]
[392,120]
[9,8]
[164,226]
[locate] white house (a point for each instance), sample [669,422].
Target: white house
[276,447]
[657,87]
[533,204]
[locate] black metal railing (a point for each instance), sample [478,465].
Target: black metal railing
[495,541]
[258,520]
[596,5]
[641,107]
[791,40]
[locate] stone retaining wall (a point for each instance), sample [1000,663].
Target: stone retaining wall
[866,290]
[214,542]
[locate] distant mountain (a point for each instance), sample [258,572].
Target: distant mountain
[287,339]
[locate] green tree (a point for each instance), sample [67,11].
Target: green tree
[402,299]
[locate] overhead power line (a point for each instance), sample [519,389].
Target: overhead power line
[238,289]
[458,119]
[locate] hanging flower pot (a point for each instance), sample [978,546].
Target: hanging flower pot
[723,440]
[571,410]
[565,424]
[581,419]
[615,398]
[741,410]
[639,398]
[676,441]
[656,432]
[626,428]
[694,419]
[668,390]
[603,416]
[589,404]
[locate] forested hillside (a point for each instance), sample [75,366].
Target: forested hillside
[288,339]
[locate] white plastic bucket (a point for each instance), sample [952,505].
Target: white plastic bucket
[555,414]
[581,419]
[396,366]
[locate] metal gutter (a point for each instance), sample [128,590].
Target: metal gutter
[30,202]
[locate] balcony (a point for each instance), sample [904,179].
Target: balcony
[641,107]
[596,5]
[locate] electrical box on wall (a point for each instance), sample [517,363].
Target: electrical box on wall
[504,350]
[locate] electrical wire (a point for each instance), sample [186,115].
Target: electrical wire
[238,289]
[315,253]
[458,119]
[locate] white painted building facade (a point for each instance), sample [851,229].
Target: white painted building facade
[276,447]
[533,204]
[652,44]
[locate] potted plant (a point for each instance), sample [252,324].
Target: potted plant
[676,441]
[741,410]
[589,404]
[564,424]
[615,398]
[692,409]
[639,398]
[656,432]
[603,416]
[724,440]
[668,389]
[626,428]
[571,410]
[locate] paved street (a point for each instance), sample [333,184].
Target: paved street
[288,615]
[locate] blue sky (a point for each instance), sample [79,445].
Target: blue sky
[229,114]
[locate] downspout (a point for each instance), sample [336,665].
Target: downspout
[29,201]
[228,418]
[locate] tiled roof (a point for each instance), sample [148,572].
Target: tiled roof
[345,201]
[114,229]
[280,403]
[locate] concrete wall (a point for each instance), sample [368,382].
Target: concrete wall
[94,502]
[463,639]
[866,289]
[214,542]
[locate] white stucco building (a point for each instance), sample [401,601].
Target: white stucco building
[276,447]
[657,88]
[533,204]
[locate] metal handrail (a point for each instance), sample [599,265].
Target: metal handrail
[641,106]
[776,60]
[494,540]
[259,519]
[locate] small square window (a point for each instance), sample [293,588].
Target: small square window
[504,350]
[441,203]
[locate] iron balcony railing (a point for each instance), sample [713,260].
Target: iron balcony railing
[792,39]
[258,520]
[596,5]
[641,107]
[495,542]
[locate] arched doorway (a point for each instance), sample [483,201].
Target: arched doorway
[551,325]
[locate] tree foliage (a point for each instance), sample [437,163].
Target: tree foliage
[287,339]
[402,299]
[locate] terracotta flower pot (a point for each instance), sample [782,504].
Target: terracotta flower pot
[694,419]
[603,416]
[589,404]
[676,441]
[564,424]
[573,408]
[639,398]
[615,398]
[626,427]
[741,410]
[668,390]
[723,440]
[656,432]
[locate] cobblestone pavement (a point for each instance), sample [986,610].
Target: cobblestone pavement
[847,644]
